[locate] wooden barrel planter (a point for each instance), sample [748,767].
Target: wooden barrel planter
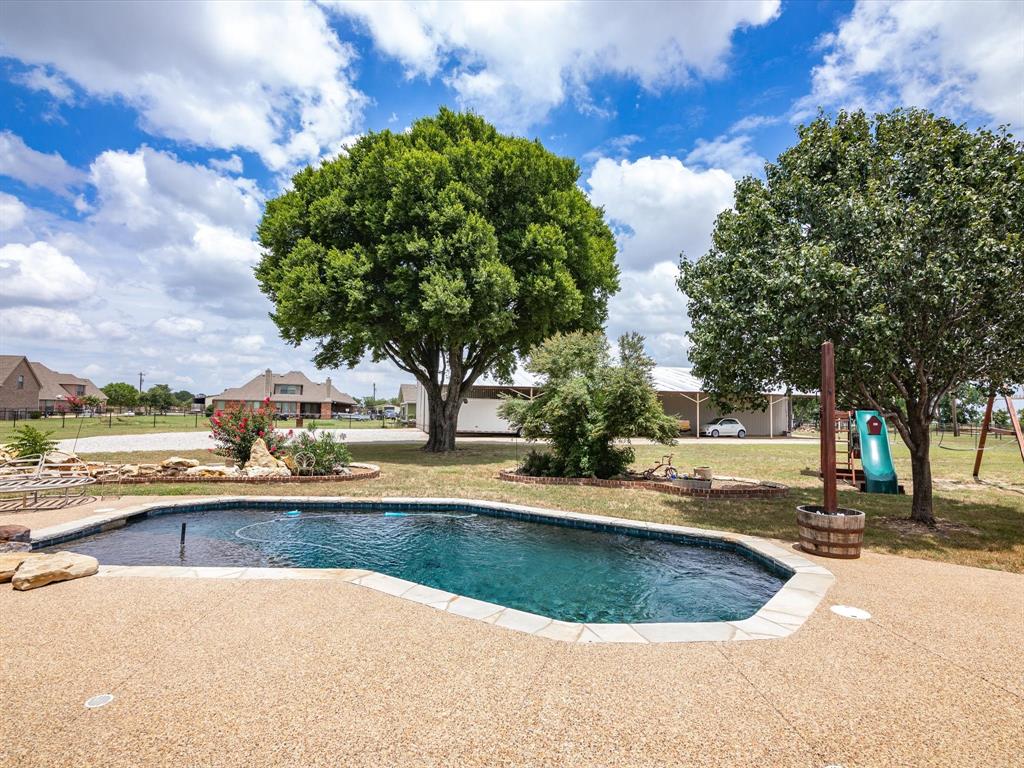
[839,535]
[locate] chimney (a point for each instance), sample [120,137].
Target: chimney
[268,382]
[327,384]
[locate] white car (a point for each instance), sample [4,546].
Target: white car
[724,428]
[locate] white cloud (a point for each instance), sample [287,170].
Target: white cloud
[231,164]
[732,154]
[13,212]
[514,62]
[40,274]
[38,79]
[269,77]
[753,122]
[30,324]
[660,206]
[248,344]
[959,58]
[113,330]
[37,169]
[179,327]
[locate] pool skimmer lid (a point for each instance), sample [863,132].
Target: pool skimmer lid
[99,701]
[849,612]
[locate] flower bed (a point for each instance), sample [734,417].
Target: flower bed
[359,472]
[726,488]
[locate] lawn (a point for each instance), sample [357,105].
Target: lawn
[981,524]
[113,424]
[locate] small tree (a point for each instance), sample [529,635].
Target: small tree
[159,398]
[449,249]
[121,394]
[587,402]
[236,429]
[897,238]
[29,441]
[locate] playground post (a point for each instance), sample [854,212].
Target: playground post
[828,426]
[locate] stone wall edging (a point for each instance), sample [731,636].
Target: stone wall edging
[764,490]
[372,473]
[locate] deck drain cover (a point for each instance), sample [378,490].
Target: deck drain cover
[99,701]
[850,612]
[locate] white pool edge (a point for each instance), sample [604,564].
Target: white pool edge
[782,615]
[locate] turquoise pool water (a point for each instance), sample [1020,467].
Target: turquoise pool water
[558,571]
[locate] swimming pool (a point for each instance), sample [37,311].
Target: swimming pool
[566,569]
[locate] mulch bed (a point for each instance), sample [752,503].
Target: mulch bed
[721,488]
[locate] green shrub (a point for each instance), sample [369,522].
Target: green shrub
[329,453]
[237,428]
[29,441]
[542,464]
[35,415]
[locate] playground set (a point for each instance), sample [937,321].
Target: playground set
[867,444]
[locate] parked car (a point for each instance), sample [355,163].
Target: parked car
[391,413]
[724,427]
[684,424]
[128,413]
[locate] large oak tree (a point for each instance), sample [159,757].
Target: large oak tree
[449,249]
[900,239]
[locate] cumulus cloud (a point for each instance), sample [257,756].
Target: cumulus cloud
[659,206]
[29,324]
[514,62]
[179,327]
[959,58]
[38,79]
[40,274]
[231,164]
[250,343]
[732,154]
[13,212]
[37,169]
[269,77]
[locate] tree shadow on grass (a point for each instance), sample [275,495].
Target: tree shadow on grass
[414,455]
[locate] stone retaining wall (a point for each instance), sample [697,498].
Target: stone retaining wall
[762,489]
[365,472]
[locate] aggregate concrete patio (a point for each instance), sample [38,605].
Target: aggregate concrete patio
[282,672]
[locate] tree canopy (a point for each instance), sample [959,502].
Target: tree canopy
[449,249]
[899,238]
[121,395]
[587,402]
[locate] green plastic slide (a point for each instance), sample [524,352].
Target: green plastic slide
[875,457]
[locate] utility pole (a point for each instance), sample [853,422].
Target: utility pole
[141,374]
[374,394]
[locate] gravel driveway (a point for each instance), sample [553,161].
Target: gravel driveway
[197,441]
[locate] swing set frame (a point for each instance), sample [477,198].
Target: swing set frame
[986,426]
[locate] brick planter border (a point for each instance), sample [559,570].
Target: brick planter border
[369,472]
[763,489]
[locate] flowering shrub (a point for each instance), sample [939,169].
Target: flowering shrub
[237,428]
[329,454]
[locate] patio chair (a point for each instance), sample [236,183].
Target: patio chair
[31,475]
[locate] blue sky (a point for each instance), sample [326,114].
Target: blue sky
[139,143]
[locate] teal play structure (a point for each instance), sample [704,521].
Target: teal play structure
[867,443]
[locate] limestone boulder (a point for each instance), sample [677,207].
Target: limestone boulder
[177,462]
[5,455]
[281,471]
[149,469]
[261,457]
[13,532]
[47,569]
[61,457]
[212,470]
[129,470]
[7,547]
[10,561]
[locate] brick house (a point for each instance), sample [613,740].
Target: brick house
[292,394]
[26,386]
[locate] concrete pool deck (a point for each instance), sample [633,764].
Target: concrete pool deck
[285,672]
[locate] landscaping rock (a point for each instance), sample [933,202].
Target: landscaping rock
[177,462]
[129,470]
[41,570]
[61,457]
[15,533]
[281,471]
[149,469]
[260,457]
[15,546]
[212,470]
[10,561]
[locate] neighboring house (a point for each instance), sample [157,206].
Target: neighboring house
[29,386]
[681,394]
[407,401]
[292,394]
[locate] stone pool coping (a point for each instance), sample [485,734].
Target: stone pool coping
[782,615]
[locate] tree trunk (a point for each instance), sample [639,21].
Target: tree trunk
[444,418]
[921,466]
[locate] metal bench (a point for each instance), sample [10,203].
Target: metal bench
[32,475]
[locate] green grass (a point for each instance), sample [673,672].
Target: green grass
[112,424]
[983,524]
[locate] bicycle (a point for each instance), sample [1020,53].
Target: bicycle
[662,469]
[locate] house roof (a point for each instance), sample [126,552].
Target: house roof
[312,392]
[666,379]
[51,384]
[407,393]
[7,364]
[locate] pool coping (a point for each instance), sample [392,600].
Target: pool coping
[779,617]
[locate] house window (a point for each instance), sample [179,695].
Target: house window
[80,389]
[286,408]
[21,382]
[287,389]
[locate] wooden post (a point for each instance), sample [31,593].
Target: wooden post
[1015,421]
[984,434]
[952,410]
[828,425]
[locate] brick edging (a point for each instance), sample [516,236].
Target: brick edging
[763,490]
[368,472]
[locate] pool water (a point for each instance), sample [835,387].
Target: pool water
[553,570]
